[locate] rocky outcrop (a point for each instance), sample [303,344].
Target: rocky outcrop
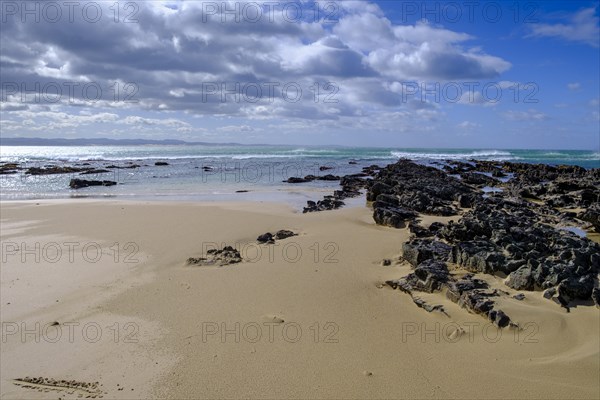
[417,187]
[504,235]
[500,236]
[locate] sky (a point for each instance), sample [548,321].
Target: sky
[456,74]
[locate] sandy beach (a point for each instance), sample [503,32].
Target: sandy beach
[305,199]
[107,297]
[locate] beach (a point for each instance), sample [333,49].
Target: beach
[299,200]
[309,316]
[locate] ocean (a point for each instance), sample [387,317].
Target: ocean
[214,173]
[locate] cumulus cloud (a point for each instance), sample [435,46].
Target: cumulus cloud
[583,27]
[187,58]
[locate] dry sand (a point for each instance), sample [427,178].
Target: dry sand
[305,318]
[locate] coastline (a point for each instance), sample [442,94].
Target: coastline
[368,349]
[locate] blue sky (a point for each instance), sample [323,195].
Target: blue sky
[388,73]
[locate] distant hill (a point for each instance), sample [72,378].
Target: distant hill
[100,142]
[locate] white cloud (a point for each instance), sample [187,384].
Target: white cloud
[582,27]
[235,128]
[529,115]
[574,86]
[173,51]
[468,125]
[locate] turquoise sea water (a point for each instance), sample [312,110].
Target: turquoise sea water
[258,169]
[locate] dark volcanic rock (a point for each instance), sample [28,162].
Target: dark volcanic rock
[52,170]
[132,166]
[265,238]
[558,186]
[418,230]
[161,163]
[328,203]
[328,177]
[433,274]
[279,235]
[295,179]
[428,307]
[389,215]
[498,317]
[477,179]
[596,296]
[351,186]
[82,183]
[428,276]
[378,188]
[591,215]
[9,168]
[283,234]
[468,292]
[468,200]
[417,251]
[478,256]
[576,288]
[420,188]
[465,284]
[521,279]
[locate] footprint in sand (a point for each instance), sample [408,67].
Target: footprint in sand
[41,384]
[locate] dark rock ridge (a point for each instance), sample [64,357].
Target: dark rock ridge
[132,166]
[53,169]
[226,256]
[310,178]
[503,234]
[470,293]
[85,169]
[508,237]
[82,183]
